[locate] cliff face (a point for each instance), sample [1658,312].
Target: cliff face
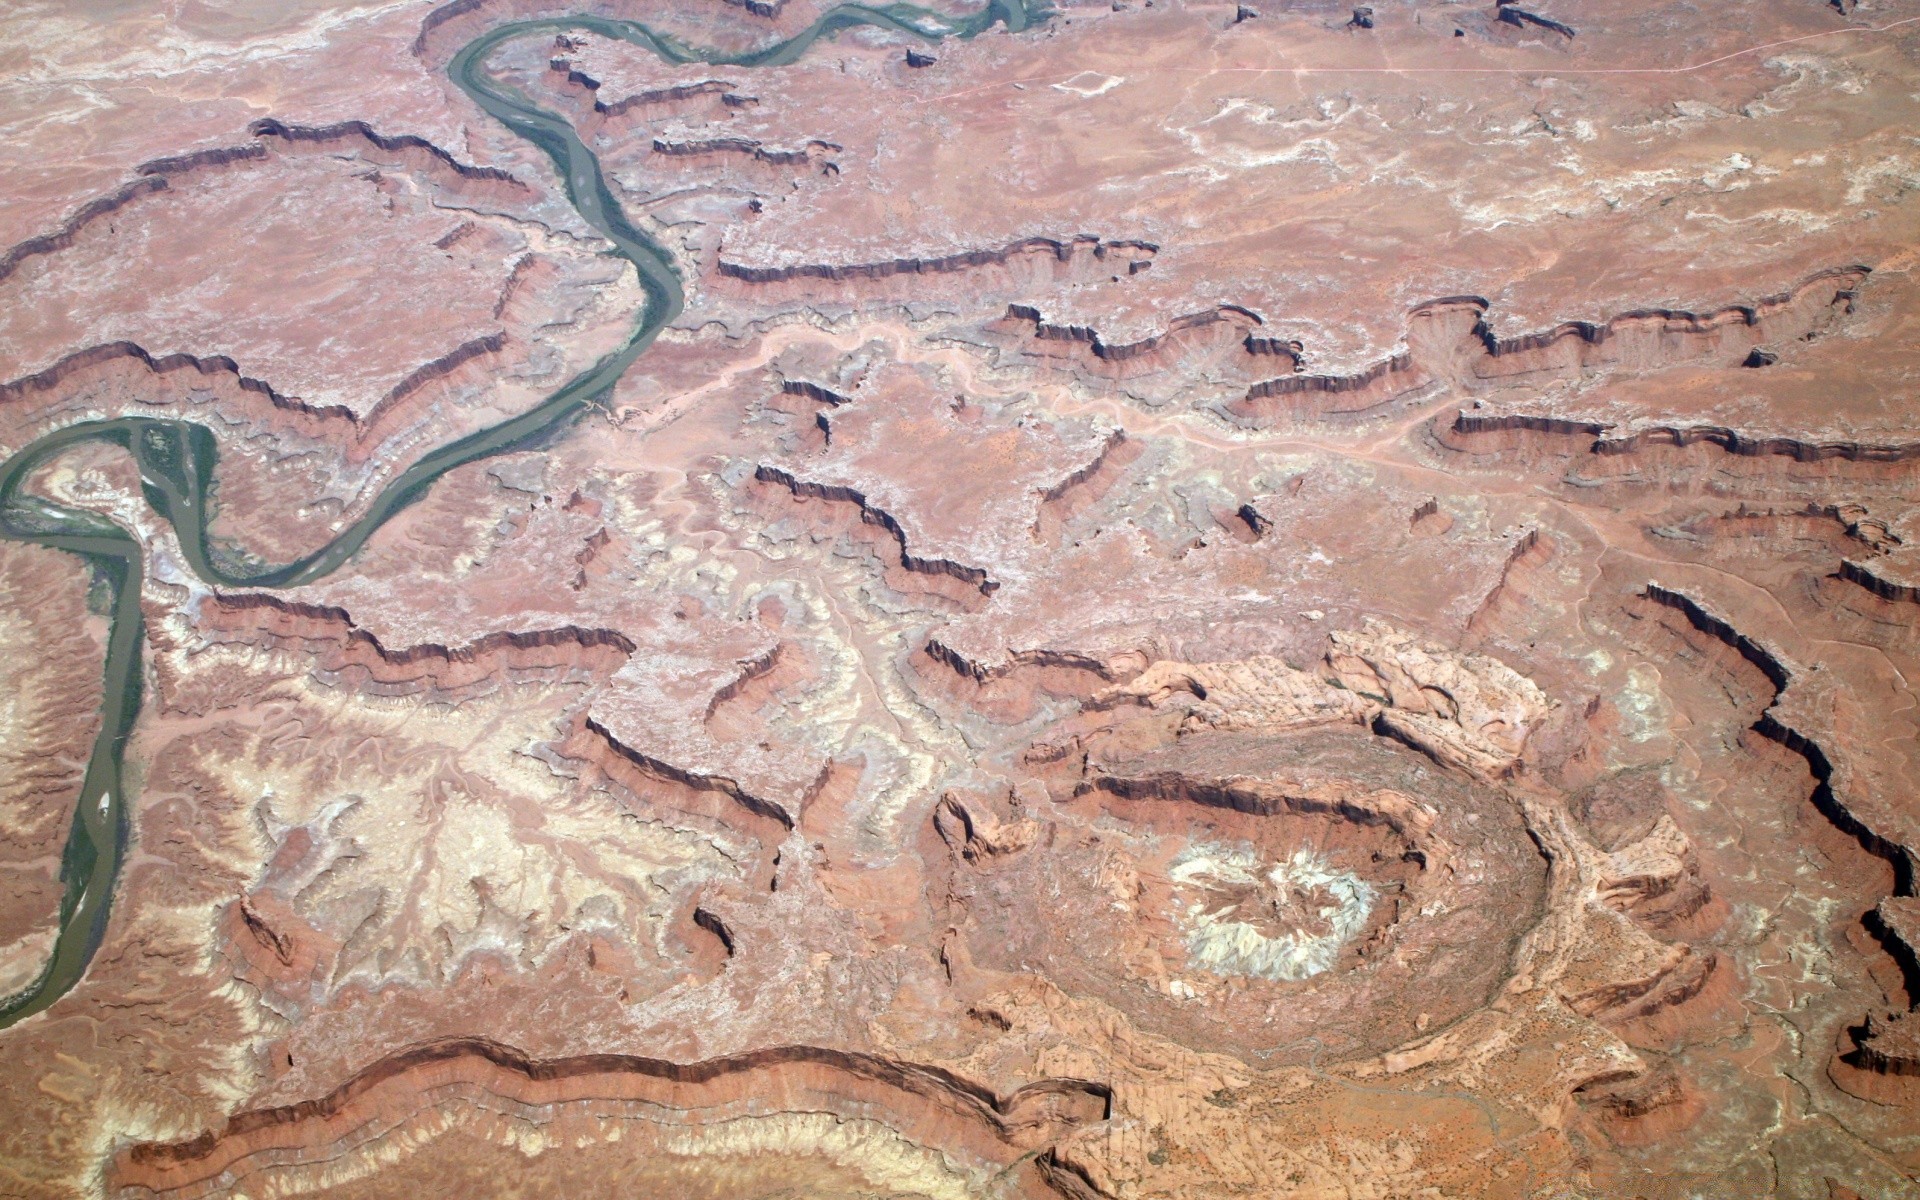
[1194,604]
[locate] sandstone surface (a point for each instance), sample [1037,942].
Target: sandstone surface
[1188,601]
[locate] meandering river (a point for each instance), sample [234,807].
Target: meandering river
[178,460]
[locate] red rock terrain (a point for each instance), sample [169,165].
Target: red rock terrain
[1200,602]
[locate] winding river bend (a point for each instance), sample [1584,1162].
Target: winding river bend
[178,460]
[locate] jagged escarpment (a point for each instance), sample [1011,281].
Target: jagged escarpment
[1514,15]
[121,353]
[1792,722]
[1592,451]
[813,404]
[751,671]
[345,653]
[979,672]
[115,377]
[438,369]
[731,712]
[1897,920]
[1061,257]
[102,368]
[718,94]
[975,584]
[433,29]
[417,151]
[86,214]
[1225,332]
[213,156]
[1744,445]
[1110,451]
[154,176]
[526,269]
[387,1108]
[815,153]
[62,376]
[1433,330]
[1509,596]
[1307,395]
[1008,691]
[1084,486]
[1868,575]
[1451,339]
[1471,425]
[657,98]
[650,778]
[158,175]
[818,393]
[1403,822]
[1651,338]
[1810,536]
[1887,1046]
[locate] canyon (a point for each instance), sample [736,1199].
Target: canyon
[1113,600]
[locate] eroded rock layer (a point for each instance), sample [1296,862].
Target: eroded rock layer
[1188,601]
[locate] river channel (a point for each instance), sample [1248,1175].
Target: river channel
[178,460]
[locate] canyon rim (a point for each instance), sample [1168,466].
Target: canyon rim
[750,599]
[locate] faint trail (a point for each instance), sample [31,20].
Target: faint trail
[1537,70]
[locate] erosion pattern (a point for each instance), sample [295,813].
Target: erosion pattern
[746,600]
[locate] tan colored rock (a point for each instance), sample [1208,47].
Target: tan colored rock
[1468,710]
[1191,607]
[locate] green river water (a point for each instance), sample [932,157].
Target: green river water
[178,460]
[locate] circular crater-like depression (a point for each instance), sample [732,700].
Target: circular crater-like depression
[1305,898]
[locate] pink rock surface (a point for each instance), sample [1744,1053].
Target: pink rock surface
[1198,603]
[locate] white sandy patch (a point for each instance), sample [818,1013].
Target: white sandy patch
[1220,943]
